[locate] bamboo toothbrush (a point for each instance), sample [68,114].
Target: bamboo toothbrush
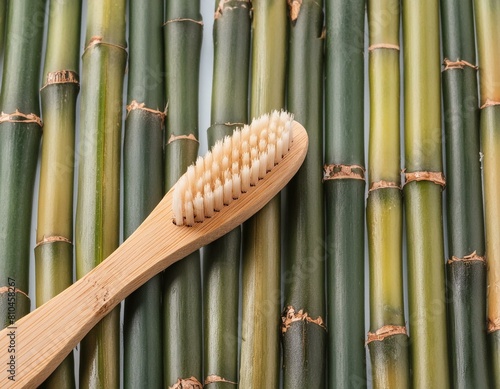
[253,166]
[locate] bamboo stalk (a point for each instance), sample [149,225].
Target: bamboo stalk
[303,328]
[143,187]
[20,132]
[488,37]
[54,250]
[182,300]
[221,259]
[3,14]
[466,268]
[387,339]
[97,213]
[422,191]
[260,349]
[345,191]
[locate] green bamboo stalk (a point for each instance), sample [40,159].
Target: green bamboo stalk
[466,269]
[54,250]
[182,300]
[221,259]
[488,38]
[303,329]
[260,348]
[143,187]
[20,133]
[3,14]
[98,210]
[345,191]
[387,339]
[423,204]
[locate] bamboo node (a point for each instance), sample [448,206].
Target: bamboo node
[294,6]
[61,77]
[187,383]
[173,138]
[385,332]
[200,22]
[388,46]
[493,325]
[468,258]
[19,117]
[290,315]
[383,185]
[435,177]
[142,106]
[342,172]
[98,40]
[53,239]
[5,289]
[222,6]
[213,378]
[490,103]
[458,64]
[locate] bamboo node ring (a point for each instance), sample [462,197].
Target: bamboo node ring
[385,332]
[190,382]
[142,106]
[290,316]
[342,172]
[468,258]
[214,378]
[435,177]
[458,64]
[383,185]
[53,239]
[8,289]
[19,117]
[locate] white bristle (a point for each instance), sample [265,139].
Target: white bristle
[218,195]
[228,192]
[271,151]
[198,205]
[236,186]
[262,165]
[245,178]
[254,172]
[231,167]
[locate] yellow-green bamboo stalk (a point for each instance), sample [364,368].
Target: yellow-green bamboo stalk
[260,349]
[182,300]
[488,37]
[54,250]
[423,194]
[98,204]
[387,339]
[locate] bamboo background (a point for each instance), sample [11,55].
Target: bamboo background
[205,96]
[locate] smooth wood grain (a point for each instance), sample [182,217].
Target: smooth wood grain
[44,337]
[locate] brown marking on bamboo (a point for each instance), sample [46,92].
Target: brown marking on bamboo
[98,40]
[435,177]
[290,316]
[490,103]
[385,332]
[19,117]
[173,138]
[53,239]
[458,64]
[222,7]
[142,106]
[61,77]
[213,378]
[8,289]
[473,257]
[387,46]
[383,185]
[342,172]
[187,383]
[493,325]
[294,6]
